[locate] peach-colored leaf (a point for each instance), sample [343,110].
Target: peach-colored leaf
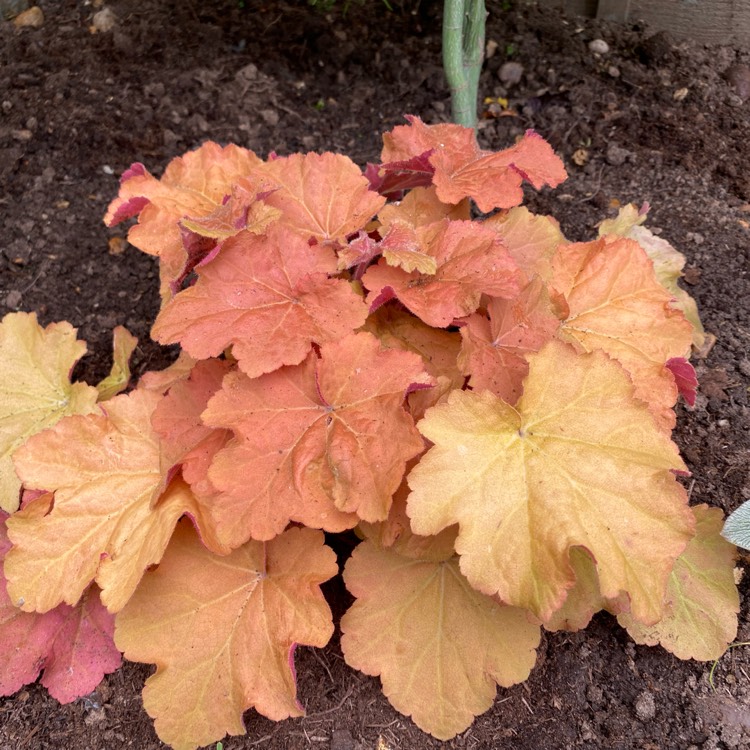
[578,462]
[222,631]
[400,247]
[420,207]
[73,645]
[105,524]
[617,305]
[701,605]
[531,240]
[35,388]
[123,346]
[310,444]
[321,196]
[495,347]
[160,381]
[462,169]
[471,260]
[439,647]
[269,297]
[193,185]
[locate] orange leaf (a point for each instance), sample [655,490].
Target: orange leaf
[617,305]
[531,240]
[310,444]
[462,169]
[123,346]
[494,349]
[193,185]
[420,207]
[104,525]
[471,260]
[222,631]
[321,196]
[35,388]
[439,646]
[578,462]
[269,297]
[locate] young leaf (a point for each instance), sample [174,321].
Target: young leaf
[123,346]
[462,169]
[439,647]
[73,645]
[35,388]
[578,462]
[105,524]
[267,296]
[701,605]
[471,260]
[531,240]
[322,196]
[193,185]
[617,305]
[420,207]
[222,631]
[310,444]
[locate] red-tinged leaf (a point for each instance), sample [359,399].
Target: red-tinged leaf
[439,647]
[193,185]
[578,462]
[462,169]
[242,210]
[532,241]
[684,377]
[471,260]
[223,630]
[393,178]
[35,388]
[321,196]
[310,444]
[160,381]
[111,516]
[269,297]
[73,645]
[494,348]
[617,305]
[360,251]
[420,207]
[702,602]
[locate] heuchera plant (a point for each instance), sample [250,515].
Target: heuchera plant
[487,405]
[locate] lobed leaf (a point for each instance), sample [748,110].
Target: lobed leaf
[123,346]
[617,305]
[470,260]
[577,463]
[35,388]
[111,517]
[269,297]
[702,602]
[439,647]
[222,631]
[309,440]
[73,645]
[321,196]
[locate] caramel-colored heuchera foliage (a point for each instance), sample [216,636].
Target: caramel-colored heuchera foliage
[485,405]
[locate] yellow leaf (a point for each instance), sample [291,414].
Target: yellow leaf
[222,631]
[35,388]
[105,472]
[578,462]
[123,346]
[439,646]
[701,606]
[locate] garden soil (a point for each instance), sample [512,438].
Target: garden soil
[651,119]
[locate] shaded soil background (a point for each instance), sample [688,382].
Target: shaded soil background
[651,120]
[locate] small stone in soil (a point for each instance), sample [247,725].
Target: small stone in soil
[341,739]
[645,706]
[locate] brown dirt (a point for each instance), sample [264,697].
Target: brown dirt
[669,126]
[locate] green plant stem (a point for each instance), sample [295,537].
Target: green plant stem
[463,53]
